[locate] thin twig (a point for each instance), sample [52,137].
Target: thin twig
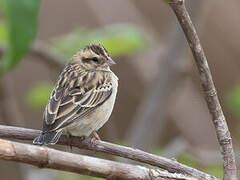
[109,148]
[41,51]
[50,59]
[218,118]
[44,157]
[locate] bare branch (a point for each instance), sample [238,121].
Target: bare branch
[109,148]
[218,118]
[44,157]
[50,59]
[41,51]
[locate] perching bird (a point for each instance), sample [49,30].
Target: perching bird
[83,98]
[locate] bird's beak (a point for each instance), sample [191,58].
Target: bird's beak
[110,61]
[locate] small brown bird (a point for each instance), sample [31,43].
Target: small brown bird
[83,98]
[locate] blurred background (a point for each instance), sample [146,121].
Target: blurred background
[160,107]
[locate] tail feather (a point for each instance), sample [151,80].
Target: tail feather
[50,137]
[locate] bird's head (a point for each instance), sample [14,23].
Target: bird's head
[94,57]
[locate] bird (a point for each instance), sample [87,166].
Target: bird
[83,98]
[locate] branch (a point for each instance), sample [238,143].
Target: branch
[109,148]
[44,157]
[50,59]
[218,118]
[47,57]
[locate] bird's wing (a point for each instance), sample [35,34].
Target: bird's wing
[75,99]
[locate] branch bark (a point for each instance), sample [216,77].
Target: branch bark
[44,157]
[109,148]
[218,118]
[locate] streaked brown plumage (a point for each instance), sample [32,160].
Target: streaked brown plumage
[83,97]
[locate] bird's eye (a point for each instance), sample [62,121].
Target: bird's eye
[94,59]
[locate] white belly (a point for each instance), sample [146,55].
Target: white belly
[96,119]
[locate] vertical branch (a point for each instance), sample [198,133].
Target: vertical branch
[218,118]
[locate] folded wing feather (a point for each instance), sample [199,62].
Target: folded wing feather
[66,106]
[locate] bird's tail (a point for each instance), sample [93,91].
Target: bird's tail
[50,137]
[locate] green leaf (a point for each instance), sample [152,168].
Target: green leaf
[21,19]
[39,95]
[118,39]
[3,33]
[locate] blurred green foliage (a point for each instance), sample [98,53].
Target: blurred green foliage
[184,158]
[21,26]
[214,169]
[39,94]
[118,39]
[233,101]
[3,33]
[2,6]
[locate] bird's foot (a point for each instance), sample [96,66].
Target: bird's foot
[95,137]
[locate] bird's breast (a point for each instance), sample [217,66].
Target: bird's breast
[97,118]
